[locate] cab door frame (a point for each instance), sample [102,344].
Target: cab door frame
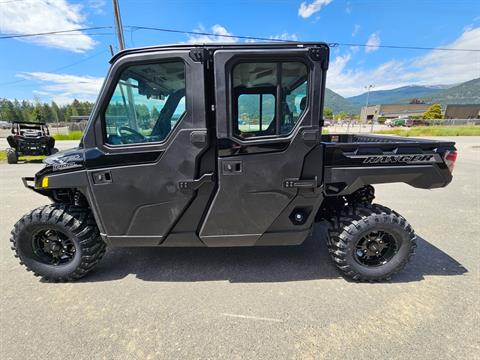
[141,200]
[253,204]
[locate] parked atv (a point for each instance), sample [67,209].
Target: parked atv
[219,146]
[29,138]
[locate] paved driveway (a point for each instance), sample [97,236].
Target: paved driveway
[269,303]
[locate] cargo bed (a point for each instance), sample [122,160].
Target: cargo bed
[354,160]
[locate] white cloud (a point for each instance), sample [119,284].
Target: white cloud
[452,66]
[217,30]
[97,6]
[306,10]
[64,88]
[349,8]
[34,16]
[285,36]
[356,29]
[435,67]
[373,43]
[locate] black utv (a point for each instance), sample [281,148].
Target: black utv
[218,146]
[29,138]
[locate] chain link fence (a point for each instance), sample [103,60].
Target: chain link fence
[354,126]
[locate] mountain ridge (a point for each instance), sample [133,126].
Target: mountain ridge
[467,92]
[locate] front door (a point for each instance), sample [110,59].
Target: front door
[150,132]
[268,115]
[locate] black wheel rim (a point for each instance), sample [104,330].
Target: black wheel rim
[376,248]
[53,247]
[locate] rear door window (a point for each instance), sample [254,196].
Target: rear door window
[268,98]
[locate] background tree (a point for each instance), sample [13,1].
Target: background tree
[328,113]
[433,112]
[342,115]
[37,111]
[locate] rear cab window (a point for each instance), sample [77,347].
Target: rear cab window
[268,98]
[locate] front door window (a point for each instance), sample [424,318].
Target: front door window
[147,103]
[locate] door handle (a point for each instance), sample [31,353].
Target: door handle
[196,183]
[102,177]
[232,167]
[301,184]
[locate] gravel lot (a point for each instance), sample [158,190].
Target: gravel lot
[269,303]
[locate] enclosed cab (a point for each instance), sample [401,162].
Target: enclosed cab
[218,146]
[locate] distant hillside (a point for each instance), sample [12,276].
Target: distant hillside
[465,93]
[396,96]
[338,103]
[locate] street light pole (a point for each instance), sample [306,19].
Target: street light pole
[366,104]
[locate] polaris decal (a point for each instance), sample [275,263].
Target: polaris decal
[64,162]
[58,167]
[395,159]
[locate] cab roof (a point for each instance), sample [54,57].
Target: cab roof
[218,46]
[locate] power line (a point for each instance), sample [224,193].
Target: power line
[332,44]
[54,32]
[204,33]
[70,34]
[56,70]
[403,47]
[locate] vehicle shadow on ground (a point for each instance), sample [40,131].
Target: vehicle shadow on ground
[309,261]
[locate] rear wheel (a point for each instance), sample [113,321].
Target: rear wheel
[370,242]
[58,242]
[12,157]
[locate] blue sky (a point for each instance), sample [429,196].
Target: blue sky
[64,67]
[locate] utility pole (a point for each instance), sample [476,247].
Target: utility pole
[133,122]
[118,25]
[366,105]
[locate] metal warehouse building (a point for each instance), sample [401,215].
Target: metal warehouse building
[392,111]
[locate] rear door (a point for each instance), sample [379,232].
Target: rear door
[150,131]
[268,116]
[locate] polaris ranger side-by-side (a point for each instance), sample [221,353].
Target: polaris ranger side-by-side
[29,138]
[221,145]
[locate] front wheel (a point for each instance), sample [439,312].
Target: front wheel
[370,242]
[58,242]
[12,156]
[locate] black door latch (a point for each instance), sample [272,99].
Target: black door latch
[301,184]
[102,177]
[196,183]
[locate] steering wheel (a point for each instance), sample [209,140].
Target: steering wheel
[134,136]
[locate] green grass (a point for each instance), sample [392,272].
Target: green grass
[434,131]
[3,157]
[73,135]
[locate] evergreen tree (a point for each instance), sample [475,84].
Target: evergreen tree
[433,112]
[55,112]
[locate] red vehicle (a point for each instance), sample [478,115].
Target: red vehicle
[416,122]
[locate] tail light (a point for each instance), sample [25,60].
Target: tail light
[450,157]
